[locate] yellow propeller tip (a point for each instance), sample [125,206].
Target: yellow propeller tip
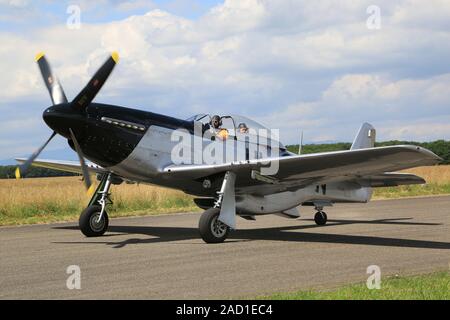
[115,56]
[17,173]
[39,56]
[91,190]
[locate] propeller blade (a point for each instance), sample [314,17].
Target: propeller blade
[85,97]
[51,81]
[86,177]
[22,169]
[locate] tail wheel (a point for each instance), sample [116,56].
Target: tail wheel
[320,218]
[91,225]
[212,230]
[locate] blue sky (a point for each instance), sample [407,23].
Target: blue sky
[294,65]
[51,12]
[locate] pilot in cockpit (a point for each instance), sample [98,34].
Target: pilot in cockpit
[216,124]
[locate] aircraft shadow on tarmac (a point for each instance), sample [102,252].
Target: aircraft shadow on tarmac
[289,233]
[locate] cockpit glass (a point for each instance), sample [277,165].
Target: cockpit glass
[199,117]
[238,120]
[235,124]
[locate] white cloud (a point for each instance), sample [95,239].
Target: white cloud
[310,64]
[403,109]
[14,3]
[423,14]
[135,5]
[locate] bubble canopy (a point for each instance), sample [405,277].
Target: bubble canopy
[205,118]
[232,122]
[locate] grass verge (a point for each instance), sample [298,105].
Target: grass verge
[435,286]
[411,191]
[46,200]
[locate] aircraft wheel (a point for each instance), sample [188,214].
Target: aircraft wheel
[320,218]
[89,224]
[211,229]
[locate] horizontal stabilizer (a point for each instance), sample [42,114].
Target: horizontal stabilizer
[390,180]
[292,213]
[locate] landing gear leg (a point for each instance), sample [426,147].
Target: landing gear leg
[94,220]
[320,217]
[215,223]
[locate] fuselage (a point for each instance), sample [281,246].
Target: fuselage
[138,145]
[135,144]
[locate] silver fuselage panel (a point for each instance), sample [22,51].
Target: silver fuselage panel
[154,153]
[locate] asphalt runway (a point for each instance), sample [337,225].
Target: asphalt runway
[163,256]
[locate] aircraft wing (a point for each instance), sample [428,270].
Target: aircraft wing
[366,165]
[63,165]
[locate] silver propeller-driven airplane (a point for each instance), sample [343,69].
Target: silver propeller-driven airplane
[124,144]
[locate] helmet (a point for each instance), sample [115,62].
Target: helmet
[216,121]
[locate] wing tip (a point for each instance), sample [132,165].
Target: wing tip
[39,56]
[430,154]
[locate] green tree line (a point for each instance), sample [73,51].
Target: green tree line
[439,147]
[7,172]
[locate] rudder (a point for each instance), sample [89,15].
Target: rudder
[365,137]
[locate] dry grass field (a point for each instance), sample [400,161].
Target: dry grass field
[42,200]
[438,182]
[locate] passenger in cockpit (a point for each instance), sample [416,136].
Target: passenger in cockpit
[243,128]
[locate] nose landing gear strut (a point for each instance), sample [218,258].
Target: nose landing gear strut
[94,219]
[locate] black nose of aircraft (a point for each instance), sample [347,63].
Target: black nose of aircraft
[61,117]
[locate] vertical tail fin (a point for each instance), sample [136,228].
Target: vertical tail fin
[365,137]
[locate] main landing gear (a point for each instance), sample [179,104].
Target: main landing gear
[212,230]
[94,220]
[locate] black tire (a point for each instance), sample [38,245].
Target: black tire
[211,229]
[88,222]
[320,218]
